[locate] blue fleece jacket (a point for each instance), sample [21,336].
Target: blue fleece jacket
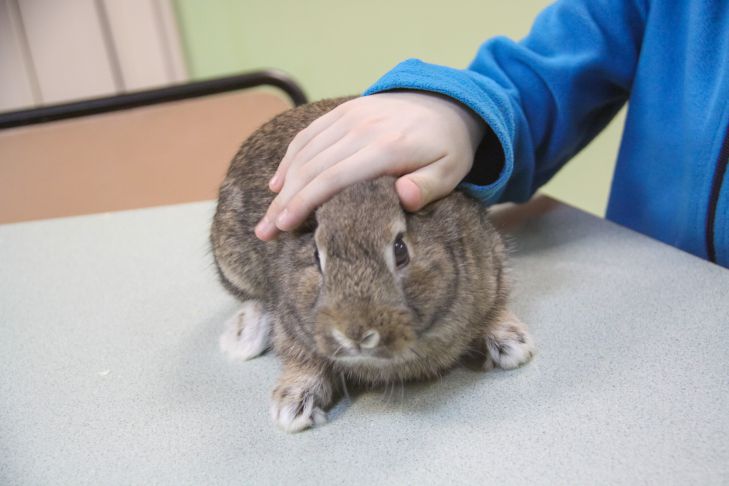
[546,97]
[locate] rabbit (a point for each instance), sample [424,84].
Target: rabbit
[363,292]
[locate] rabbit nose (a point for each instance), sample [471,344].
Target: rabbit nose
[368,340]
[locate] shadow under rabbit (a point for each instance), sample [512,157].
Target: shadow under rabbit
[430,396]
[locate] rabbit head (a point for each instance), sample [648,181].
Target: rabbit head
[374,282]
[362,311]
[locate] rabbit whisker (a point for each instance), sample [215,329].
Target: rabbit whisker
[344,385]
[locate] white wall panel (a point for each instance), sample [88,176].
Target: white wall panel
[138,42]
[16,80]
[68,48]
[55,51]
[169,29]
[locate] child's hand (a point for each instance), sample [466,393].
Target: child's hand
[427,139]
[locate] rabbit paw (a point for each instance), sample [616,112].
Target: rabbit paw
[247,333]
[509,343]
[297,405]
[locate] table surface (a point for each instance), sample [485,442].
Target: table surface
[111,372]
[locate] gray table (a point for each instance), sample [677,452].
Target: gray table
[111,372]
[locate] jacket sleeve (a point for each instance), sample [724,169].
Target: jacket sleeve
[543,98]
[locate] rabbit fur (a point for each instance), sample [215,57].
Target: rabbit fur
[330,297]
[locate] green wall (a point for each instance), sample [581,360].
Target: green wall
[336,47]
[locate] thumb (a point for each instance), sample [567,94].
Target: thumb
[425,185]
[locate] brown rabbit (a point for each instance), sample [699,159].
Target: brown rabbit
[363,292]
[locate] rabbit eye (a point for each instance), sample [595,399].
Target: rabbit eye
[316,258]
[400,249]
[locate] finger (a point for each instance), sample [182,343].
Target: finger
[338,152]
[266,230]
[364,164]
[428,184]
[320,145]
[411,197]
[305,174]
[300,141]
[286,187]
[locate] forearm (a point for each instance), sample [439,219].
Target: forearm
[543,98]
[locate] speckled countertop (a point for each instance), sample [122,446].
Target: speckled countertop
[111,372]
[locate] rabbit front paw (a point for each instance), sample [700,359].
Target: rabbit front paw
[247,333]
[509,343]
[298,402]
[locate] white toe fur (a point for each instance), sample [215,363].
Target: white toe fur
[509,344]
[295,415]
[297,402]
[286,416]
[247,333]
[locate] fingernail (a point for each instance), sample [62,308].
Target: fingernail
[263,227]
[284,219]
[274,180]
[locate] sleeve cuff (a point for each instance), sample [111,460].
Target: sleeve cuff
[478,93]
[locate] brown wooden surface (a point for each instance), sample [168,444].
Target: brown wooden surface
[164,154]
[509,217]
